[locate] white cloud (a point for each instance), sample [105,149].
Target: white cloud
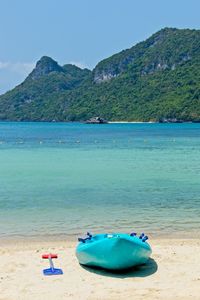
[13,73]
[79,64]
[22,68]
[3,65]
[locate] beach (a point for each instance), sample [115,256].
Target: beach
[171,273]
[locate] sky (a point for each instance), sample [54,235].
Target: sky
[81,32]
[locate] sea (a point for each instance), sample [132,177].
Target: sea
[60,180]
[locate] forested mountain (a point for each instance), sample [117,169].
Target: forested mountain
[154,80]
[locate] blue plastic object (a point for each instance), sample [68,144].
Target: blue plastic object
[51,270]
[141,236]
[145,238]
[113,251]
[133,234]
[83,240]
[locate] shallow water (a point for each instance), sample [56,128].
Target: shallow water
[58,179]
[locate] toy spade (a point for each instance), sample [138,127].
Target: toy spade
[51,270]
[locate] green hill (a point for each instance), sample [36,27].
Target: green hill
[156,79]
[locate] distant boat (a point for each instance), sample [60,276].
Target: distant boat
[96,120]
[113,251]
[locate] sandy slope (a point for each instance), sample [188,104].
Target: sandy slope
[172,273]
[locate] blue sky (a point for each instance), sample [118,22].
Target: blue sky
[80,31]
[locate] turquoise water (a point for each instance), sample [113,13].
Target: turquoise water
[65,179]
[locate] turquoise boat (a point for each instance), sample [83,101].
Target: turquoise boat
[113,251]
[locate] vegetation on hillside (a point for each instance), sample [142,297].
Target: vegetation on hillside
[156,79]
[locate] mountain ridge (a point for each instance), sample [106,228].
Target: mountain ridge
[156,79]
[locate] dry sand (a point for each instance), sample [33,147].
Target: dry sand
[172,273]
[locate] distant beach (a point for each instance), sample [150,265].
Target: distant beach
[127,122]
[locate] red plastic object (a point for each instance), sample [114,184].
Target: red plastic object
[50,255]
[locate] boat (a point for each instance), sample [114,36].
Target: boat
[116,251]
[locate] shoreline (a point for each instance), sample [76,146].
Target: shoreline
[73,239]
[108,122]
[56,245]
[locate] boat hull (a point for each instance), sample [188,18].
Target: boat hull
[114,252]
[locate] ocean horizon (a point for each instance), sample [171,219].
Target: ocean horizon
[63,179]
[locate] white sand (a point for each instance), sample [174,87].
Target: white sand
[173,273]
[127,122]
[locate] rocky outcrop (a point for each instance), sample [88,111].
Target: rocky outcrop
[96,120]
[107,70]
[170,120]
[102,77]
[43,67]
[154,54]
